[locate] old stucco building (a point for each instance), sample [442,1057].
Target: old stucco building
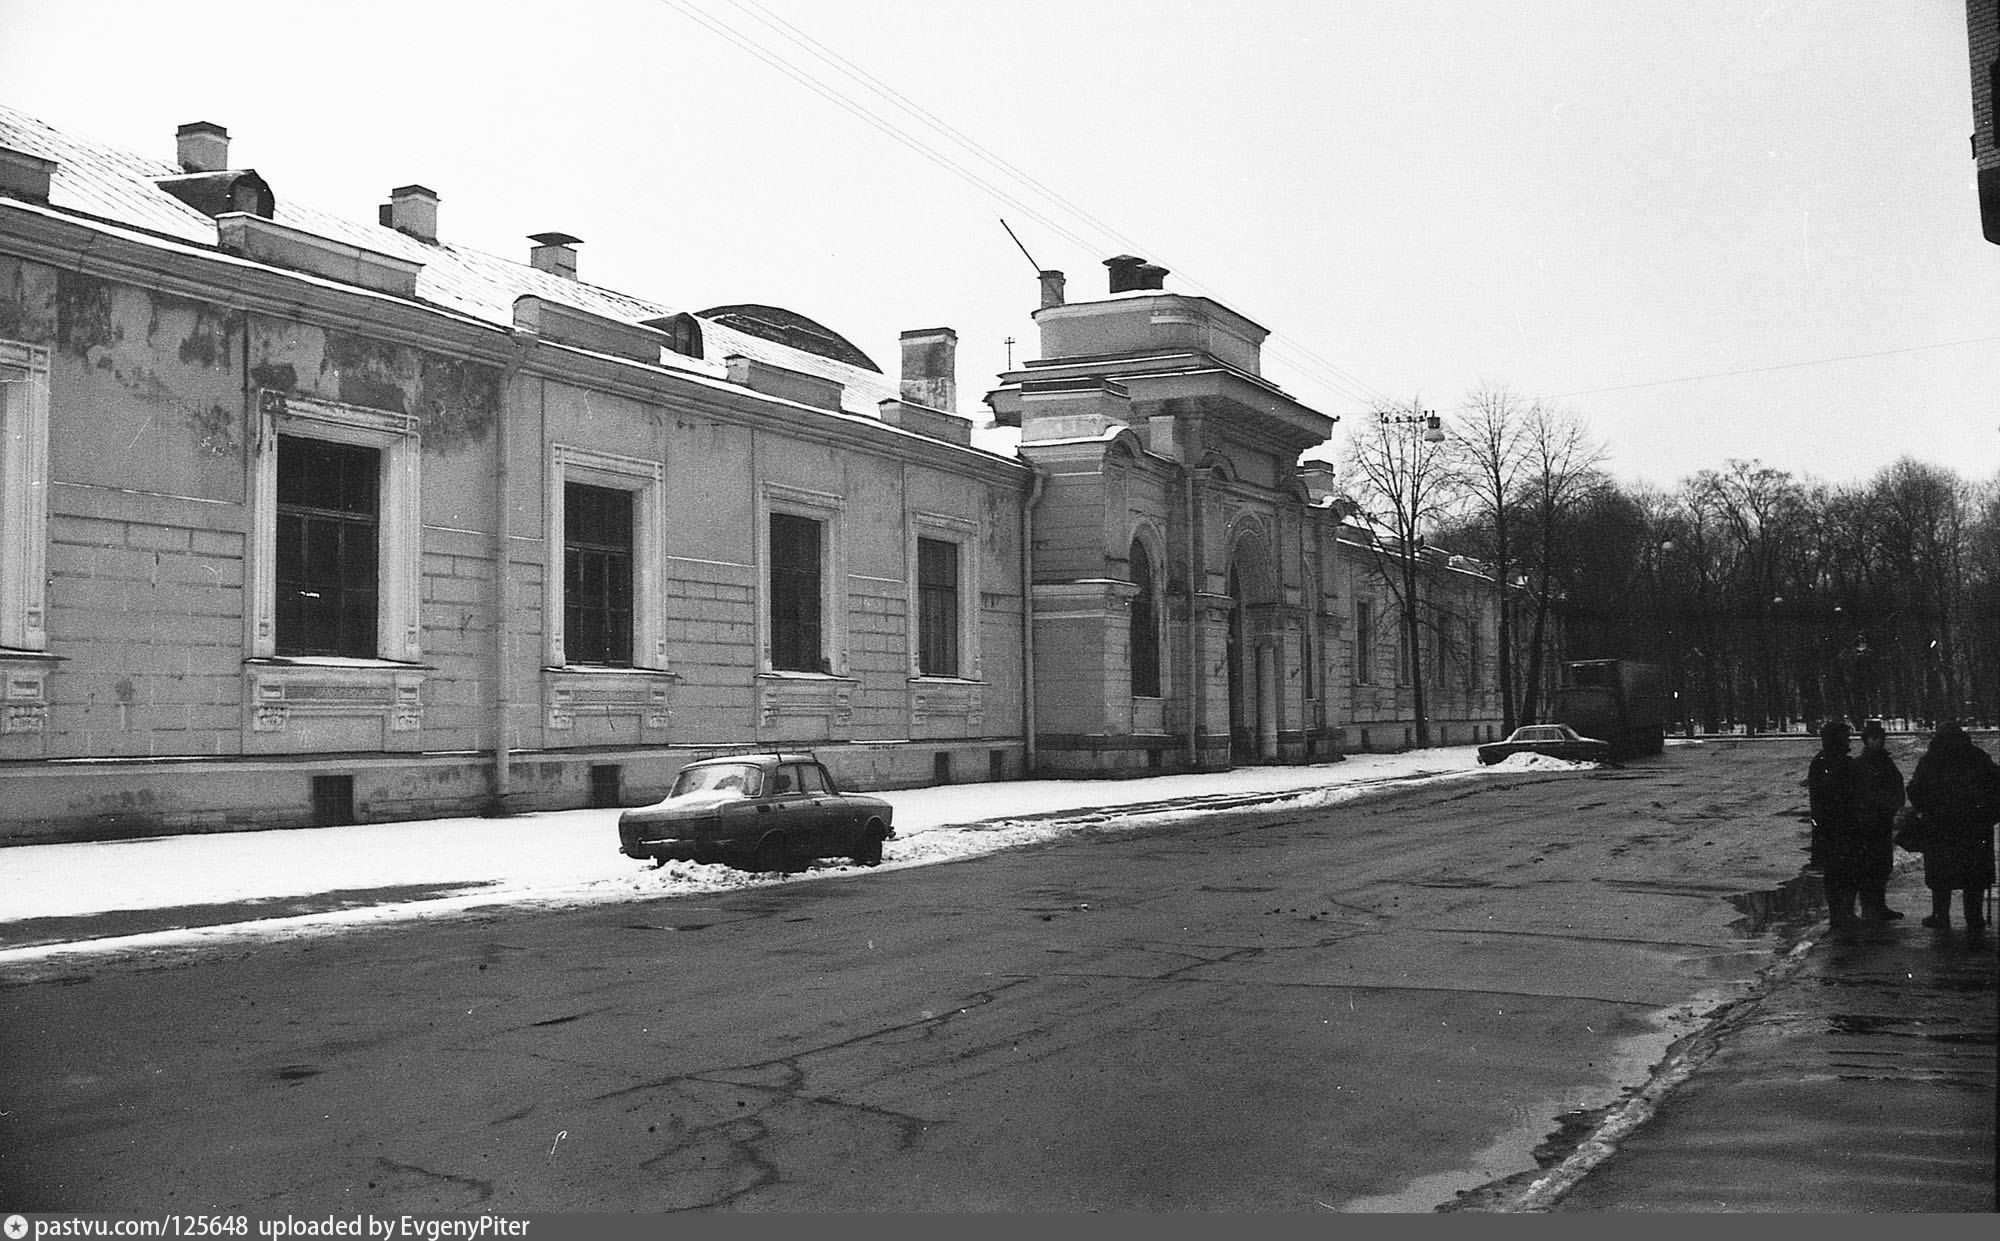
[309,520]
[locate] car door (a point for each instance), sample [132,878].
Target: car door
[804,818]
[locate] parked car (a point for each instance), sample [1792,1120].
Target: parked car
[757,812]
[1554,740]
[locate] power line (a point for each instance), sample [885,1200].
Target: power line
[1781,366]
[1344,383]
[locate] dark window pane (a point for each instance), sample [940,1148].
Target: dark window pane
[1145,626]
[327,553]
[937,608]
[795,594]
[597,575]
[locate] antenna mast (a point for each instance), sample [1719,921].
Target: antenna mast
[1024,249]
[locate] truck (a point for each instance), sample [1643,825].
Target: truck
[1620,701]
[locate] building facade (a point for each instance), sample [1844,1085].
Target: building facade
[1199,600]
[1982,21]
[306,520]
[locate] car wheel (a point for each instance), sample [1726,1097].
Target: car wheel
[868,848]
[774,853]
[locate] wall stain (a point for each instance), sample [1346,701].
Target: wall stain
[459,401]
[278,377]
[368,372]
[83,315]
[27,302]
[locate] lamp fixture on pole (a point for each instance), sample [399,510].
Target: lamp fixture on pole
[1433,428]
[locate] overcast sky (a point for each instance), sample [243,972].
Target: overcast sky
[1689,220]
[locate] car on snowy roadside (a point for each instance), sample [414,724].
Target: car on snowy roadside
[761,812]
[1551,740]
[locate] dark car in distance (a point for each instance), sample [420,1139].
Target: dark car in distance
[757,812]
[1554,740]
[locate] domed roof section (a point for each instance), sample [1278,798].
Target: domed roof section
[789,328]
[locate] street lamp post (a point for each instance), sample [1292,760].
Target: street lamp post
[1411,543]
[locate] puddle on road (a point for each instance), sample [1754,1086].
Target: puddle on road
[1787,910]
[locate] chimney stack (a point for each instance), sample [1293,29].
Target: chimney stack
[1124,272]
[203,146]
[1152,276]
[930,368]
[412,209]
[555,253]
[1052,289]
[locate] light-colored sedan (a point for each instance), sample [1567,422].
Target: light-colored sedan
[1554,740]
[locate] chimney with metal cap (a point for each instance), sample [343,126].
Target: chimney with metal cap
[1152,276]
[412,209]
[1124,272]
[202,146]
[555,253]
[1052,288]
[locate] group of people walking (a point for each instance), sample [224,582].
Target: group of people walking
[1857,804]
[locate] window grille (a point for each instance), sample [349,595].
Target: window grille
[328,548]
[597,575]
[937,608]
[796,594]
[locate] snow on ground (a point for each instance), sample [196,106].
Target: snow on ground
[1526,761]
[570,857]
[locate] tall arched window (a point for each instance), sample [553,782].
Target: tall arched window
[1145,627]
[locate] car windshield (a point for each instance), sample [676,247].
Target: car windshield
[728,779]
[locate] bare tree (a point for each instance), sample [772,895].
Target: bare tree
[1561,470]
[1489,458]
[1397,475]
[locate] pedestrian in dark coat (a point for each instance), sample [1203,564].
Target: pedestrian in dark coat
[1878,795]
[1956,787]
[1830,795]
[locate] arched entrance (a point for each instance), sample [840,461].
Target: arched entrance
[1251,654]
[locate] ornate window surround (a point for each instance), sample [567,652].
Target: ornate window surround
[24,538]
[398,437]
[826,508]
[646,480]
[24,495]
[964,533]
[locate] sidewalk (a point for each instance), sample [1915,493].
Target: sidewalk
[1860,1079]
[159,893]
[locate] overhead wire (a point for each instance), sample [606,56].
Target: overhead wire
[1339,380]
[1778,366]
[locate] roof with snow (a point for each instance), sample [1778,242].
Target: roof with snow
[115,186]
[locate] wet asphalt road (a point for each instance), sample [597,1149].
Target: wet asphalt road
[1369,1008]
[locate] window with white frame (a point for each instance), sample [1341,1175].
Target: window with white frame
[803,576]
[606,517]
[24,495]
[944,576]
[334,531]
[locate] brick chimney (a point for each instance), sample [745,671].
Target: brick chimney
[1152,276]
[555,253]
[202,146]
[1125,272]
[1052,289]
[930,368]
[412,209]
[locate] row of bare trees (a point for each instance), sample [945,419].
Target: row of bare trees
[1769,599]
